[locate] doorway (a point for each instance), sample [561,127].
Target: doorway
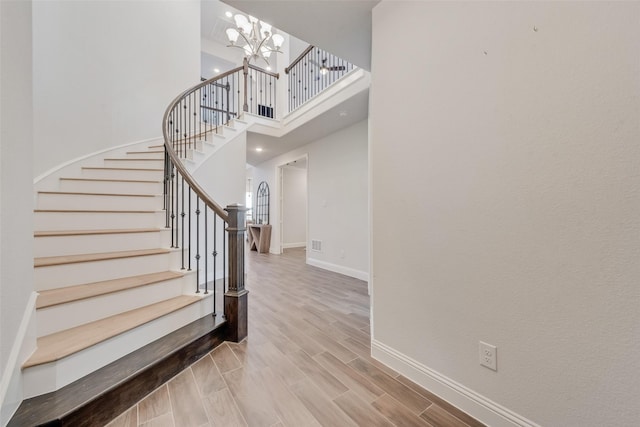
[293,186]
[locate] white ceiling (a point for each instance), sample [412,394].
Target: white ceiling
[356,109]
[344,29]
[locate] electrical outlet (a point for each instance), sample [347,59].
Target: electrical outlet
[489,355]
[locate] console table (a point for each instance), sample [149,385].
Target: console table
[259,237]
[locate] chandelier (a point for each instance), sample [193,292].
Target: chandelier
[259,39]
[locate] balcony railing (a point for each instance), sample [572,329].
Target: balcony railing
[311,73]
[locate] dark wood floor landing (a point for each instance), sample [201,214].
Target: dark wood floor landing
[103,395]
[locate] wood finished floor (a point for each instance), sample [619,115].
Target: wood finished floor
[306,362]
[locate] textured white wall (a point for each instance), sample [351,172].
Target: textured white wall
[294,206]
[16,203]
[337,192]
[104,72]
[506,200]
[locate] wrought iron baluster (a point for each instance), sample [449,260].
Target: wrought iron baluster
[182,214]
[197,244]
[215,254]
[206,238]
[173,206]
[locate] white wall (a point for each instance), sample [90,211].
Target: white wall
[223,177]
[294,207]
[16,203]
[228,166]
[506,204]
[105,71]
[337,199]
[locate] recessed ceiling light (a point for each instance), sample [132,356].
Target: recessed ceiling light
[216,70]
[228,14]
[268,68]
[259,149]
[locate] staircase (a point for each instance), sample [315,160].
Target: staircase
[133,257]
[108,281]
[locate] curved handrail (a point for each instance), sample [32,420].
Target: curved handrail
[175,159]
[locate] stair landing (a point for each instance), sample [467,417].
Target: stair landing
[100,396]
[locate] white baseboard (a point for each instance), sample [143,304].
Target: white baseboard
[468,401]
[294,245]
[10,384]
[347,271]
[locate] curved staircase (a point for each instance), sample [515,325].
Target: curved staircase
[109,283]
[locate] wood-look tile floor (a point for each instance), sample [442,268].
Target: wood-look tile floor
[306,362]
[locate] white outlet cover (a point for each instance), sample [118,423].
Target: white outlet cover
[488,355]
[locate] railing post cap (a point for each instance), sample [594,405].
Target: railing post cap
[235,207]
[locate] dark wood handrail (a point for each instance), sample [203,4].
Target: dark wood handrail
[299,58]
[175,159]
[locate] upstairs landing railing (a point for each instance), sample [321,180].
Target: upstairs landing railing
[313,71]
[210,238]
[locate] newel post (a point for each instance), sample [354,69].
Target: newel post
[235,299]
[245,71]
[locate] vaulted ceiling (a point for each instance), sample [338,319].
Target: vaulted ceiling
[340,27]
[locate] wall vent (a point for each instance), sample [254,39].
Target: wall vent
[316,245]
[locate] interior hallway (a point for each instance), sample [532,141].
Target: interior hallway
[305,363]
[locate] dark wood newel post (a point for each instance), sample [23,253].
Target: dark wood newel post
[235,299]
[245,71]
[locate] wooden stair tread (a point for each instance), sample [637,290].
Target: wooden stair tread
[64,343]
[72,259]
[104,394]
[79,193]
[111,180]
[136,160]
[92,211]
[123,169]
[75,293]
[57,233]
[146,152]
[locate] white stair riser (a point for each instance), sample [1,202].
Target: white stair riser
[119,187]
[97,220]
[145,155]
[55,375]
[195,155]
[150,174]
[58,276]
[133,163]
[192,145]
[95,202]
[64,316]
[94,243]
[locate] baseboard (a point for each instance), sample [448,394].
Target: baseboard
[12,376]
[294,245]
[476,405]
[347,271]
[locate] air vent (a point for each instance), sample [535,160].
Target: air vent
[316,245]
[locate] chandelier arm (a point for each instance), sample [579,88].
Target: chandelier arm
[262,43]
[245,39]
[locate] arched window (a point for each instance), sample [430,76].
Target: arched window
[261,207]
